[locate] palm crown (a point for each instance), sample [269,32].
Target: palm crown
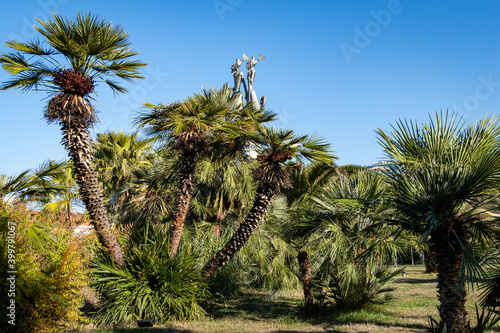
[444,170]
[94,49]
[212,116]
[277,146]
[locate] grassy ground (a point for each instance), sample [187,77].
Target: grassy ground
[415,299]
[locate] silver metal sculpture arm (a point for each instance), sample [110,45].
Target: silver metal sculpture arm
[250,95]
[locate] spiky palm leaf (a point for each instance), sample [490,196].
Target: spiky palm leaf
[88,44]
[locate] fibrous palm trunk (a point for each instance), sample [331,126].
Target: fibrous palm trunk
[78,143]
[217,229]
[263,200]
[184,192]
[429,261]
[447,246]
[305,272]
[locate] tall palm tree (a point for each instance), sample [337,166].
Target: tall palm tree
[444,178]
[95,51]
[275,148]
[191,128]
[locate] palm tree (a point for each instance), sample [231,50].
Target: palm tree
[275,147]
[444,178]
[191,128]
[150,191]
[32,185]
[95,51]
[307,182]
[223,189]
[351,244]
[116,155]
[64,202]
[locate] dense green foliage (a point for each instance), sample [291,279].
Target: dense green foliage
[152,286]
[51,269]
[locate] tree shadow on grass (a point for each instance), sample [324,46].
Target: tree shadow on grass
[332,328]
[146,330]
[416,281]
[257,308]
[262,309]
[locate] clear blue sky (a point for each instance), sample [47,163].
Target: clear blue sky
[340,68]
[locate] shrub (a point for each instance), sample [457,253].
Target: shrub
[152,285]
[354,286]
[51,265]
[264,263]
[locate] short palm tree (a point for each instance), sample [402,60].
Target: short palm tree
[274,148]
[223,189]
[64,202]
[307,182]
[149,193]
[192,128]
[116,155]
[444,177]
[351,244]
[32,185]
[95,51]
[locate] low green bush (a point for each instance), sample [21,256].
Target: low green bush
[355,286]
[151,286]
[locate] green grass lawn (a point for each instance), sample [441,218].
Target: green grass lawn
[415,299]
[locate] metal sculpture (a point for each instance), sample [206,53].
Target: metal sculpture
[250,94]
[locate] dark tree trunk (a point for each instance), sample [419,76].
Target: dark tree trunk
[305,272]
[77,141]
[263,200]
[430,261]
[184,192]
[451,289]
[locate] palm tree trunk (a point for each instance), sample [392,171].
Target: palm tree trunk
[217,228]
[263,200]
[429,261]
[451,288]
[78,143]
[184,192]
[305,272]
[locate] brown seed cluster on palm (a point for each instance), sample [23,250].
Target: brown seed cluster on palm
[74,82]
